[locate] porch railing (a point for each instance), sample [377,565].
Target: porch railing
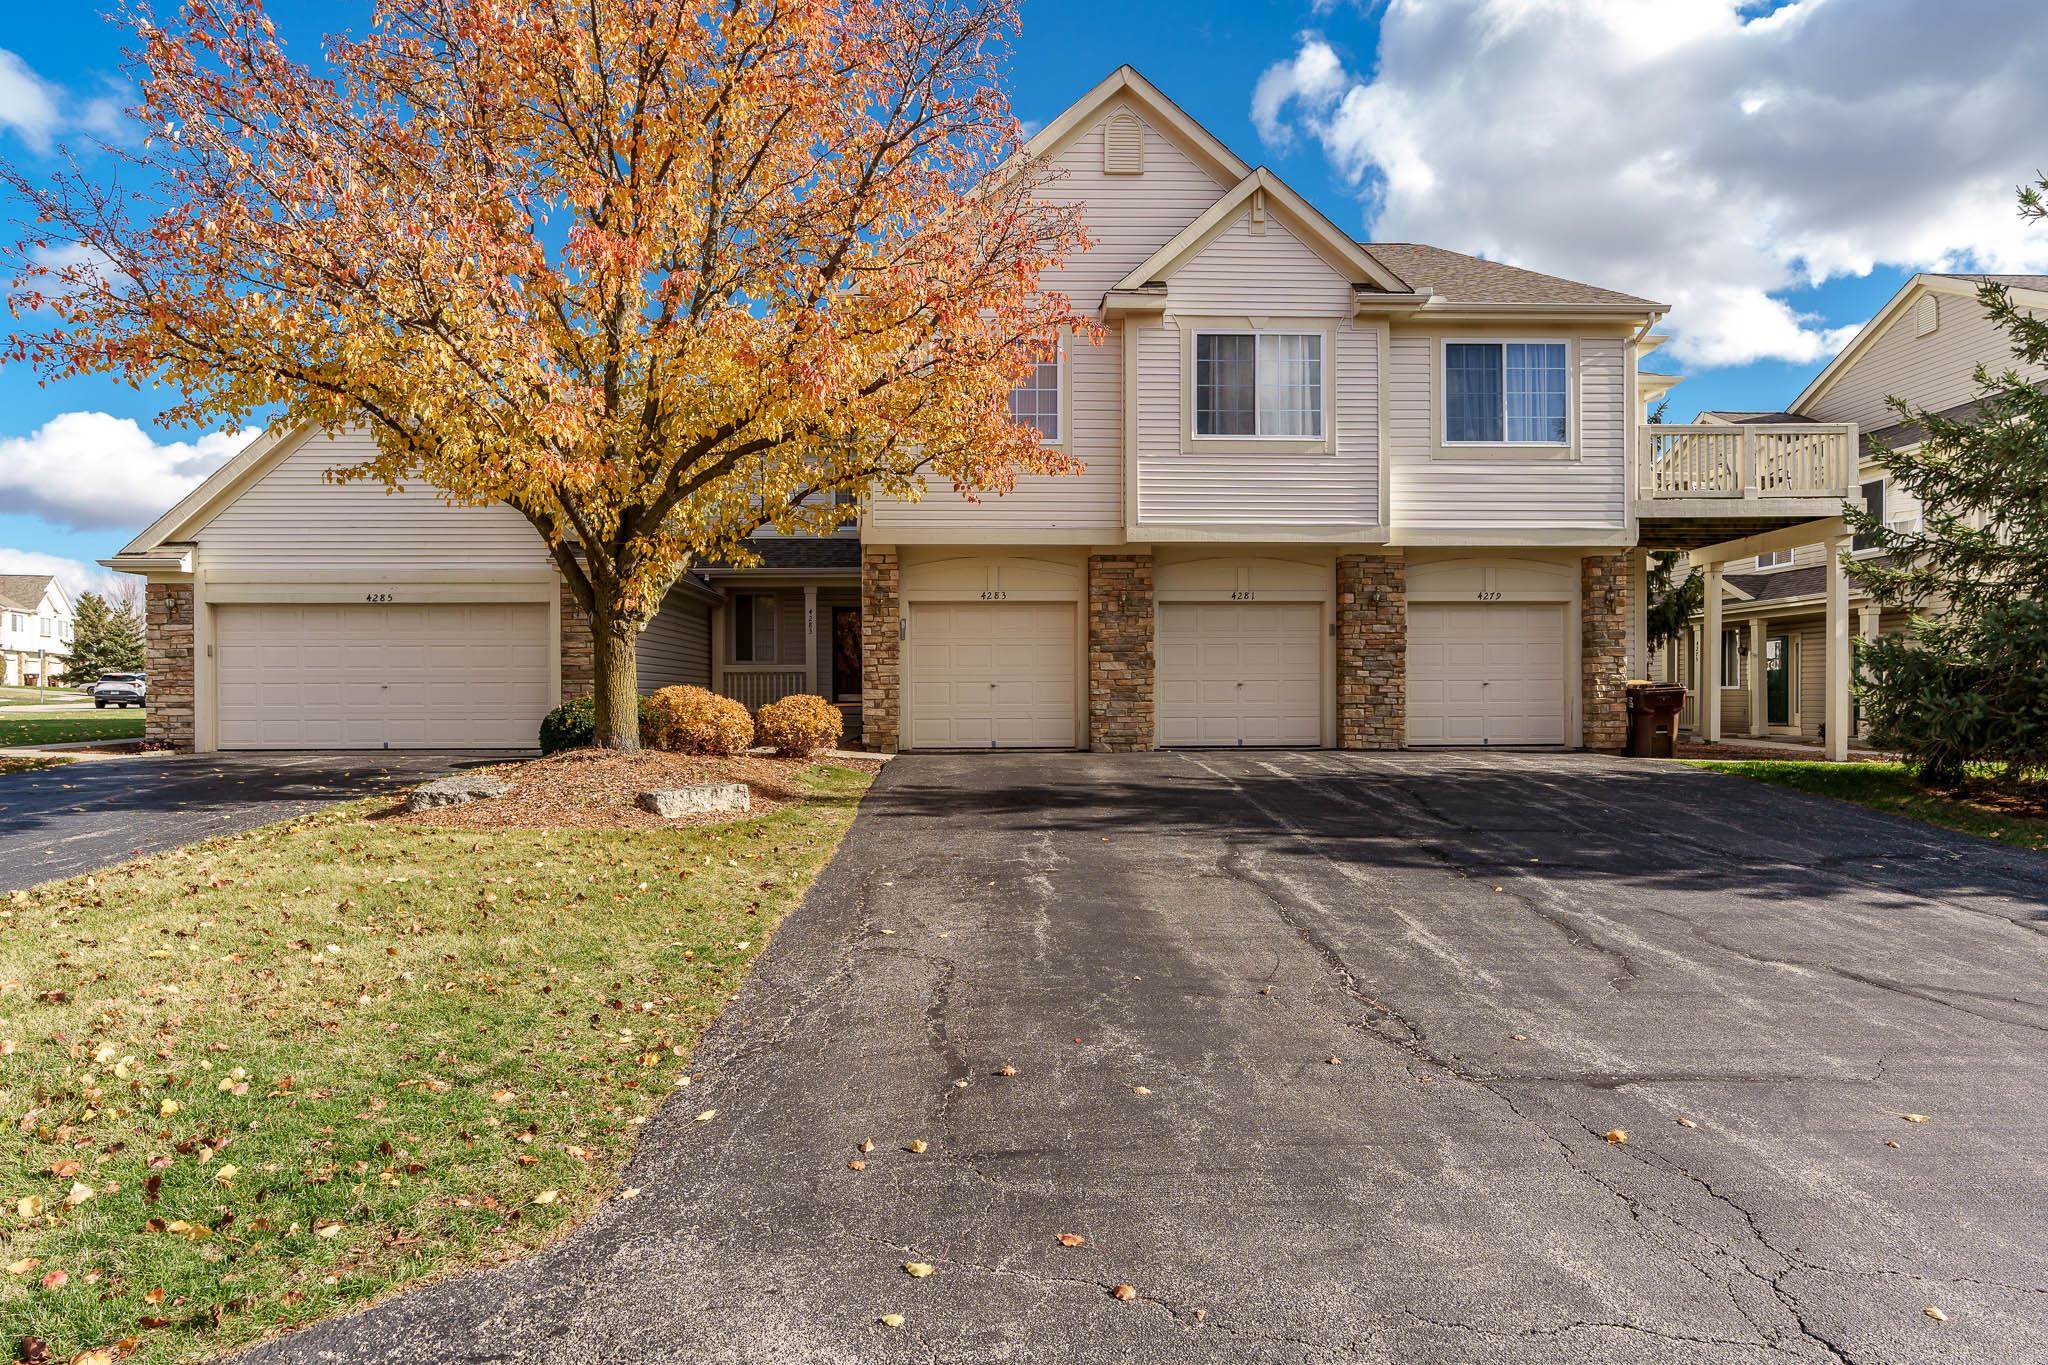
[755,685]
[1765,460]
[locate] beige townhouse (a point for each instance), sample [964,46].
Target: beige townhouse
[1768,651]
[1342,494]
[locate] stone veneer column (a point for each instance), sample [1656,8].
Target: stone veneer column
[1120,653]
[1372,652]
[1603,648]
[579,655]
[169,659]
[881,649]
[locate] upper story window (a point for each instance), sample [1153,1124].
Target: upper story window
[1507,393]
[49,626]
[1774,559]
[1036,401]
[1259,384]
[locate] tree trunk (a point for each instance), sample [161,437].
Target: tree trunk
[616,695]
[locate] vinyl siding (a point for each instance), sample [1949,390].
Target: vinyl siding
[1273,274]
[1128,218]
[1431,494]
[675,649]
[1934,372]
[292,519]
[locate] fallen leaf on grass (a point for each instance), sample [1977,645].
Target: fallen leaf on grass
[547,1196]
[917,1270]
[1616,1136]
[327,1228]
[1124,1292]
[24,1265]
[28,1206]
[78,1194]
[56,1279]
[1072,1239]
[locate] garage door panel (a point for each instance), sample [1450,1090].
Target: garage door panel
[436,675]
[991,675]
[1234,673]
[1486,674]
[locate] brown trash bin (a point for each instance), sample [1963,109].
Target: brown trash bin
[1653,719]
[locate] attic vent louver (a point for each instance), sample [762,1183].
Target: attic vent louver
[1123,145]
[1926,315]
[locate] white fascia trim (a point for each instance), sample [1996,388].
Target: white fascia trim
[1126,81]
[165,560]
[1878,325]
[1320,232]
[199,505]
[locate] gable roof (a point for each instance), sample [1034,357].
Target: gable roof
[215,491]
[1125,81]
[1924,283]
[1459,278]
[24,591]
[1319,231]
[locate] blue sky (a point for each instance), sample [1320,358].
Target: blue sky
[1756,165]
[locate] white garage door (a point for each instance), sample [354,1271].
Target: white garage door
[991,675]
[1240,673]
[1486,673]
[356,676]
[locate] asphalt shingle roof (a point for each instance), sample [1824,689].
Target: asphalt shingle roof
[23,591]
[1459,278]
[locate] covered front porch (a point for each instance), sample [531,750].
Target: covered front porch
[1727,492]
[791,626]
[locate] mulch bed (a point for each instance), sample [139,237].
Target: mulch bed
[594,789]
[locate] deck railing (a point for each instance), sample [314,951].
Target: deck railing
[755,685]
[1722,460]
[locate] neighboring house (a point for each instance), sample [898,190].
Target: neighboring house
[1339,494]
[1924,346]
[35,630]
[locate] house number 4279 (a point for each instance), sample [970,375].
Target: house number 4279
[1489,597]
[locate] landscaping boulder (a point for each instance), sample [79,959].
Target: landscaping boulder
[458,790]
[698,799]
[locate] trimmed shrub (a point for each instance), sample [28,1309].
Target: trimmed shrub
[690,720]
[798,726]
[573,725]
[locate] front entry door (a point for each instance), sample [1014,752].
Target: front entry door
[846,653]
[1778,679]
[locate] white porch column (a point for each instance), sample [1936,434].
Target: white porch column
[1759,701]
[811,639]
[1836,712]
[1710,662]
[1869,618]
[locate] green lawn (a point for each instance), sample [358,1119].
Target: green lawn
[269,1078]
[34,696]
[1887,787]
[70,727]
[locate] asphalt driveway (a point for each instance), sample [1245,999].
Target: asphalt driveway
[1318,1051]
[59,822]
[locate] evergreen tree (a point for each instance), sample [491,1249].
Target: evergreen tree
[1968,683]
[105,638]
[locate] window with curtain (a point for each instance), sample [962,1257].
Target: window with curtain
[1036,401]
[1507,392]
[1259,384]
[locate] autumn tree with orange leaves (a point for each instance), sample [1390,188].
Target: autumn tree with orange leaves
[656,273]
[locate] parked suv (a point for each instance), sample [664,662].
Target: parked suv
[119,689]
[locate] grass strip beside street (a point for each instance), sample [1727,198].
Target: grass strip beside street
[1890,788]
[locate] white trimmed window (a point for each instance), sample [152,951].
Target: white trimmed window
[1774,559]
[1731,658]
[1507,393]
[1259,384]
[1036,401]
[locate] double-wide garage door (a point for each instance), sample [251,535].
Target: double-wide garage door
[1239,673]
[991,675]
[392,676]
[1486,673]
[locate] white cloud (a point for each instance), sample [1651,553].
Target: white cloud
[76,576]
[1690,152]
[92,471]
[38,110]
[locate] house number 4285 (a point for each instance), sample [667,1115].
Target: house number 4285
[376,597]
